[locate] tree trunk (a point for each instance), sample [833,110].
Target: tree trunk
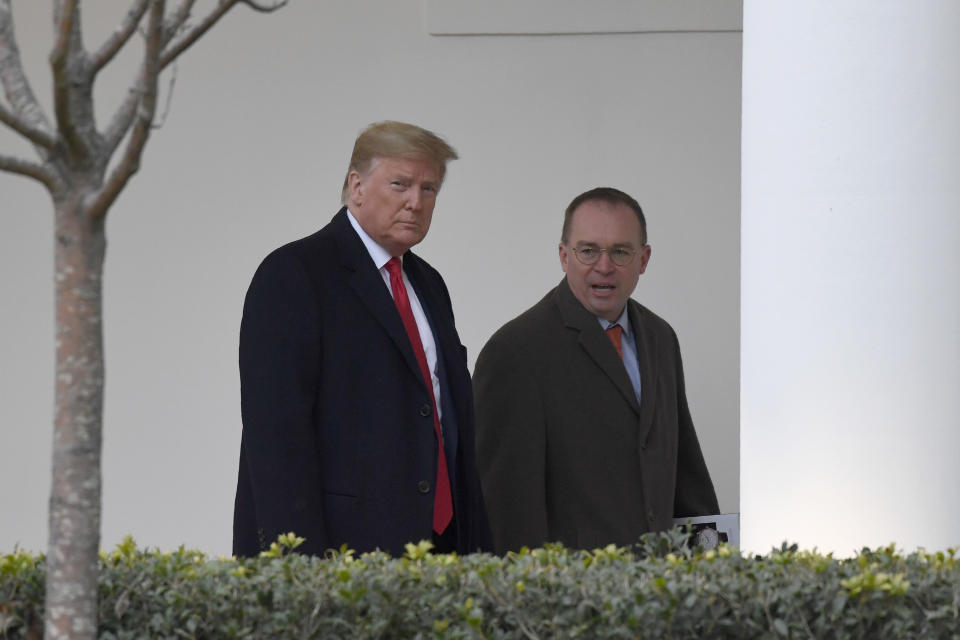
[73,159]
[72,550]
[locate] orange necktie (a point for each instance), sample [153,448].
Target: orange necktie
[442,500]
[614,334]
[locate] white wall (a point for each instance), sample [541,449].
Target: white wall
[264,115]
[851,275]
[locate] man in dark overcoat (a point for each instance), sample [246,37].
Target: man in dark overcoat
[584,435]
[356,399]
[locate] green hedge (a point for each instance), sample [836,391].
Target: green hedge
[659,589]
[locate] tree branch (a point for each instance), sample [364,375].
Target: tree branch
[129,164]
[176,20]
[194,34]
[120,35]
[124,116]
[122,119]
[36,135]
[65,15]
[264,8]
[158,124]
[30,169]
[72,82]
[15,85]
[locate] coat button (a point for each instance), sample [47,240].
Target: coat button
[423,486]
[425,410]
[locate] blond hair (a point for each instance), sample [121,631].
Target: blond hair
[391,139]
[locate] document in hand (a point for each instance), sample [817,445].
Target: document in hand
[709,531]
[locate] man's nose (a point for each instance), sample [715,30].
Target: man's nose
[604,264]
[413,199]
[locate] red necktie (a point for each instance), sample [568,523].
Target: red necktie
[614,334]
[442,500]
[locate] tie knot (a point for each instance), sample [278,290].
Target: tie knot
[394,266]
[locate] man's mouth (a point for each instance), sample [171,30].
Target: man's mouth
[603,287]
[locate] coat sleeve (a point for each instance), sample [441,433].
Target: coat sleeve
[280,345]
[695,495]
[511,448]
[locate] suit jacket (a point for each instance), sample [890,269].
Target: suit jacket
[338,439]
[565,452]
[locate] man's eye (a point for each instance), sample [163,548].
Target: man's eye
[586,252]
[621,253]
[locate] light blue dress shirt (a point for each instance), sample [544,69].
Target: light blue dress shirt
[628,345]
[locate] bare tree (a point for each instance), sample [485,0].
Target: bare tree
[73,158]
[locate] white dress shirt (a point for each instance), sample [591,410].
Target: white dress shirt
[380,257]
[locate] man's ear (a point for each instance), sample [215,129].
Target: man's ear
[564,255]
[644,257]
[355,188]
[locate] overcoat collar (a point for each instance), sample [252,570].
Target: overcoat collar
[594,341]
[367,283]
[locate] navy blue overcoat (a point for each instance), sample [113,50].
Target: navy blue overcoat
[338,441]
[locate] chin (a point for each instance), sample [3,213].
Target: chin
[608,310]
[413,239]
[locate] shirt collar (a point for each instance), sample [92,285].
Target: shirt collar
[623,321]
[379,255]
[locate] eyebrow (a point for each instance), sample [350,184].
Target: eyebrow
[616,245]
[406,177]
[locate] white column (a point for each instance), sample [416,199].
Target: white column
[850,381]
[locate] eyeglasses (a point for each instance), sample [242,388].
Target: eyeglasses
[620,256]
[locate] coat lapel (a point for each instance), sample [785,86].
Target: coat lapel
[367,283]
[595,342]
[646,356]
[432,299]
